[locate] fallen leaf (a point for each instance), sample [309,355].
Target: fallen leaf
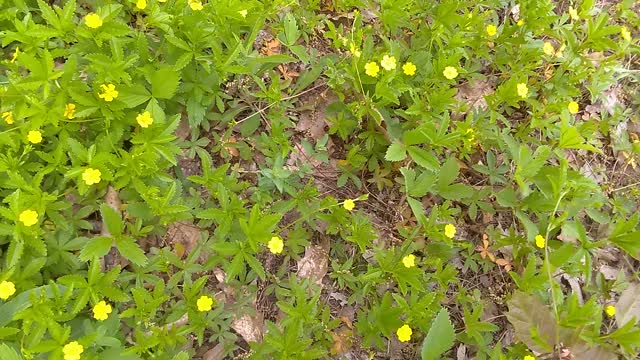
[592,352]
[484,249]
[271,47]
[532,321]
[505,263]
[628,306]
[216,353]
[315,263]
[342,341]
[249,327]
[184,236]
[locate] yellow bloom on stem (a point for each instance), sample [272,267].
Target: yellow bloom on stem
[610,310]
[529,357]
[540,241]
[491,30]
[404,333]
[275,245]
[196,5]
[28,217]
[573,13]
[573,107]
[144,119]
[388,62]
[72,351]
[34,137]
[520,22]
[7,116]
[204,303]
[91,176]
[409,68]
[449,231]
[450,72]
[409,261]
[353,49]
[93,20]
[548,49]
[7,288]
[101,311]
[15,55]
[349,204]
[109,92]
[141,4]
[70,111]
[523,90]
[624,32]
[243,13]
[372,69]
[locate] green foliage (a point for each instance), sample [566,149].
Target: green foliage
[181,140]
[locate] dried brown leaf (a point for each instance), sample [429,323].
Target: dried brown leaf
[532,321]
[628,306]
[315,263]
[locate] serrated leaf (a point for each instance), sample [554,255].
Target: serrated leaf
[424,158]
[111,219]
[628,306]
[96,247]
[532,321]
[396,152]
[130,250]
[448,173]
[164,83]
[440,337]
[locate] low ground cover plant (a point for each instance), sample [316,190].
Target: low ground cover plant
[315,179]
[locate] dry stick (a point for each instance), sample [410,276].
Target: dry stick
[261,111]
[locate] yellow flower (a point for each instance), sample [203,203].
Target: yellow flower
[450,72]
[195,5]
[573,13]
[144,119]
[91,176]
[404,333]
[15,54]
[409,68]
[243,13]
[28,217]
[529,357]
[7,288]
[69,111]
[141,4]
[520,22]
[449,231]
[275,245]
[540,241]
[8,117]
[93,20]
[610,310]
[204,303]
[34,137]
[162,1]
[624,32]
[409,261]
[491,30]
[388,62]
[548,49]
[72,351]
[523,90]
[101,311]
[354,50]
[109,92]
[371,69]
[349,204]
[573,107]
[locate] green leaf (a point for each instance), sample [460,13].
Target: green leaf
[129,249]
[164,83]
[111,219]
[396,152]
[424,158]
[449,172]
[532,321]
[96,247]
[440,337]
[570,138]
[7,353]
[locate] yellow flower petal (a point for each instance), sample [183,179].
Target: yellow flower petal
[409,261]
[409,68]
[7,288]
[93,20]
[449,231]
[28,217]
[540,241]
[404,333]
[101,311]
[275,245]
[372,69]
[34,137]
[450,72]
[204,303]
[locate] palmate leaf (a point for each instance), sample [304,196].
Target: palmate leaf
[440,337]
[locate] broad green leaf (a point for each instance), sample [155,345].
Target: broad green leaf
[7,353]
[570,138]
[164,83]
[96,247]
[111,219]
[396,152]
[424,158]
[129,249]
[448,173]
[440,337]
